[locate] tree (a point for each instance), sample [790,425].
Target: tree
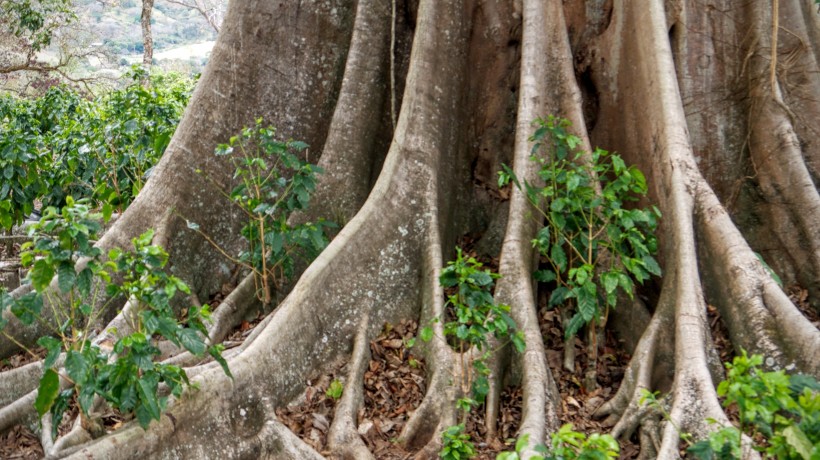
[147,37]
[213,11]
[430,98]
[29,28]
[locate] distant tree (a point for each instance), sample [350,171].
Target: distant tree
[147,39]
[27,28]
[212,10]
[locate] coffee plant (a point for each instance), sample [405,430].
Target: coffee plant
[477,317]
[595,241]
[63,144]
[69,275]
[271,183]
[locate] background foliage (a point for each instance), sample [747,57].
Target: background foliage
[103,148]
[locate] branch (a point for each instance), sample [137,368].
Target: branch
[211,14]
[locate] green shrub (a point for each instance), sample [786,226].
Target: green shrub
[779,412]
[127,377]
[62,144]
[272,183]
[582,225]
[456,444]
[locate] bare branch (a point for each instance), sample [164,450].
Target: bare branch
[212,10]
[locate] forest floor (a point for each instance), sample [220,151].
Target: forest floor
[394,386]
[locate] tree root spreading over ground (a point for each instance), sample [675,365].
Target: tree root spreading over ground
[471,77]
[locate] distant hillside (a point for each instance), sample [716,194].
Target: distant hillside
[182,38]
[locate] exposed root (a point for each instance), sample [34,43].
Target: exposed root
[232,309]
[356,129]
[624,408]
[18,411]
[46,440]
[77,436]
[437,410]
[343,438]
[515,288]
[281,443]
[681,308]
[792,199]
[760,317]
[498,365]
[17,382]
[649,438]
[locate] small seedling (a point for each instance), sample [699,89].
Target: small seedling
[334,391]
[456,444]
[477,318]
[568,444]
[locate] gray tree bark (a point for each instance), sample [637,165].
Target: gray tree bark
[677,87]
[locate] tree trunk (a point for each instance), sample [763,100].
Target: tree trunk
[679,88]
[147,37]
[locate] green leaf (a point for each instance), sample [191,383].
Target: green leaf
[275,241]
[107,211]
[702,450]
[335,390]
[522,442]
[6,220]
[558,219]
[518,341]
[587,302]
[799,382]
[651,265]
[625,283]
[84,280]
[573,326]
[558,257]
[77,367]
[796,438]
[86,398]
[426,334]
[167,327]
[544,276]
[58,409]
[148,399]
[47,392]
[216,352]
[27,307]
[66,276]
[481,278]
[41,275]
[192,341]
[54,348]
[558,296]
[610,281]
